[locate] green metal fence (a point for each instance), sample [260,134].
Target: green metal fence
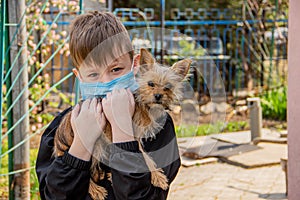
[28,46]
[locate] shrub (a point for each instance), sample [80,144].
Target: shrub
[274,104]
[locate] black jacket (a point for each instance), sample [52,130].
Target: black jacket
[68,177]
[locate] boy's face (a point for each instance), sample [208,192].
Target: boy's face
[92,74]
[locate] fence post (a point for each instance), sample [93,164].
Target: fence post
[21,154]
[110,5]
[8,98]
[2,41]
[255,117]
[162,31]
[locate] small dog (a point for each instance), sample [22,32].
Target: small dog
[159,88]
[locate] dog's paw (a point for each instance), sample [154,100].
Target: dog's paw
[159,179]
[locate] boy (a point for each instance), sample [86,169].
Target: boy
[101,51]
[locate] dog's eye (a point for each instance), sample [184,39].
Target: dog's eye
[168,86]
[151,84]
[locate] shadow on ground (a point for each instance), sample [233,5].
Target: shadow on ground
[273,196]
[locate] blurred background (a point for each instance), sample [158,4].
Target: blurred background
[241,41]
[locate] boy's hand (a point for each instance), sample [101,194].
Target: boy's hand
[118,107]
[87,123]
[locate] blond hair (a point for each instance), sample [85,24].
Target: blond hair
[89,30]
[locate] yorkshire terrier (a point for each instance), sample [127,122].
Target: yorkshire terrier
[159,88]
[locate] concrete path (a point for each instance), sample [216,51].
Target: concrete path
[220,181]
[229,181]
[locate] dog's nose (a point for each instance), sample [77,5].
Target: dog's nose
[157,96]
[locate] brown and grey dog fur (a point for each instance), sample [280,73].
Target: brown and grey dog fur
[159,88]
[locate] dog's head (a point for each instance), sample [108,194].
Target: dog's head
[160,86]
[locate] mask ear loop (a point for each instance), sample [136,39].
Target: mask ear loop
[132,65]
[131,70]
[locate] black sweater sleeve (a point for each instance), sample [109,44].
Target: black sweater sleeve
[64,177]
[67,177]
[129,177]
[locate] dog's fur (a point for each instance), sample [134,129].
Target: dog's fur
[159,87]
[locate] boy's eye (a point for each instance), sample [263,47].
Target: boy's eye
[151,84]
[93,75]
[116,69]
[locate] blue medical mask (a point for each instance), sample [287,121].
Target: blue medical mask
[98,89]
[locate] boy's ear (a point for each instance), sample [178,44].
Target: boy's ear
[76,72]
[136,61]
[182,67]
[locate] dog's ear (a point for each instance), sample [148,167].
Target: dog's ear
[146,57]
[146,60]
[182,67]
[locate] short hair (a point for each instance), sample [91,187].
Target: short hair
[89,30]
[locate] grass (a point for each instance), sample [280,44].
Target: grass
[207,129]
[274,104]
[34,186]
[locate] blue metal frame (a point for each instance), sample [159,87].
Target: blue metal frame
[215,22]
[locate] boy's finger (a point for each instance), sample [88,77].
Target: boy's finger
[104,104]
[130,95]
[108,95]
[114,92]
[122,91]
[75,112]
[99,108]
[86,104]
[93,105]
[103,120]
[128,91]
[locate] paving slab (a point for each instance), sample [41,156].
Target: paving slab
[219,149]
[188,162]
[203,144]
[283,134]
[244,137]
[234,148]
[241,137]
[268,154]
[190,142]
[270,140]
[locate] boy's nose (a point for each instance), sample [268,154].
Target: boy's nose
[157,96]
[105,78]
